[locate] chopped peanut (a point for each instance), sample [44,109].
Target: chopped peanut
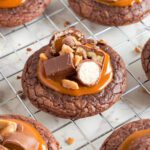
[7,127]
[70,141]
[43,56]
[77,59]
[102,41]
[138,49]
[70,84]
[66,50]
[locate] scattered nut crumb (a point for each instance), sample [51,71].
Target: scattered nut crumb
[18,77]
[70,141]
[70,84]
[138,49]
[66,23]
[29,49]
[43,56]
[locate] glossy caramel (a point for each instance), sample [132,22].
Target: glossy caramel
[120,3]
[128,141]
[11,3]
[104,80]
[32,132]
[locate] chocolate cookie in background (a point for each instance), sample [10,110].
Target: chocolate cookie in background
[112,12]
[132,136]
[21,133]
[18,12]
[146,59]
[74,77]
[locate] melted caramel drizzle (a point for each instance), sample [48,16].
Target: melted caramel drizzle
[11,3]
[105,79]
[120,3]
[29,130]
[126,144]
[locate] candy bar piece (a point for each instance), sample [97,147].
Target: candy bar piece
[88,72]
[59,67]
[20,141]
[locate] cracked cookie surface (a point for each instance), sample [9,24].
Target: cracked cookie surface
[67,106]
[26,12]
[109,15]
[146,59]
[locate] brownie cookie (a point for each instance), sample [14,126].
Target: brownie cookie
[110,15]
[132,136]
[20,126]
[73,104]
[20,14]
[146,59]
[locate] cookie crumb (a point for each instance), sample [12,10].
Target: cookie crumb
[29,49]
[70,140]
[21,94]
[18,77]
[138,49]
[66,23]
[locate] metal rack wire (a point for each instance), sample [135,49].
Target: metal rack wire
[89,143]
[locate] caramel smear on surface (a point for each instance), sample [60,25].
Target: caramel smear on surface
[105,79]
[120,3]
[125,145]
[11,3]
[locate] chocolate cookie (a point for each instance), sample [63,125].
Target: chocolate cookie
[65,105]
[52,144]
[19,15]
[146,59]
[110,15]
[136,135]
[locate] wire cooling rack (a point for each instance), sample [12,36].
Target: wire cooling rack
[89,133]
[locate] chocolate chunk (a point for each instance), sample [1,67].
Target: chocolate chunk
[59,67]
[20,141]
[88,72]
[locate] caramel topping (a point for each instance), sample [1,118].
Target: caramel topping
[128,141]
[104,80]
[30,138]
[120,3]
[11,3]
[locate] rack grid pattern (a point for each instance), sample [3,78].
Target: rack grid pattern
[89,133]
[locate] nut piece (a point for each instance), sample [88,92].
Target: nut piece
[3,148]
[7,127]
[138,49]
[66,50]
[77,59]
[82,52]
[70,141]
[88,72]
[70,41]
[43,57]
[70,84]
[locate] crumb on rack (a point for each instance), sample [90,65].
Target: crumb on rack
[70,140]
[66,23]
[29,49]
[21,94]
[18,77]
[138,49]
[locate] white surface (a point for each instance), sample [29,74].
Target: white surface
[13,55]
